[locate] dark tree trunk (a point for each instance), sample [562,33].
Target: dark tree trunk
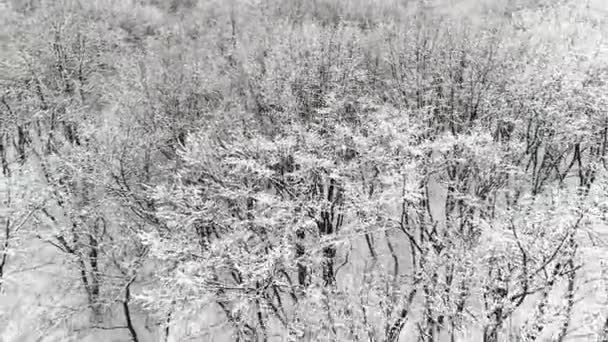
[127,312]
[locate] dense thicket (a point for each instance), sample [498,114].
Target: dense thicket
[288,170]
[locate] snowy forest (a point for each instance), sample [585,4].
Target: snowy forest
[303,170]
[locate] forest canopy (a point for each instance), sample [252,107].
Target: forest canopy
[303,170]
